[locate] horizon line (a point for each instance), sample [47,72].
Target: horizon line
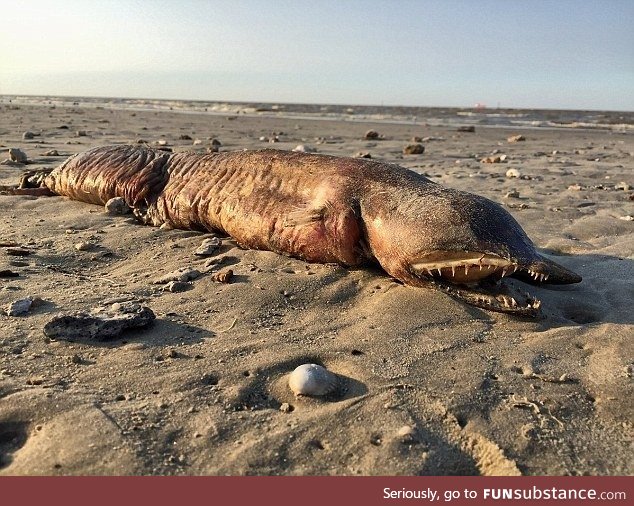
[314,103]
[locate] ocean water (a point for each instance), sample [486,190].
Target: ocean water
[435,116]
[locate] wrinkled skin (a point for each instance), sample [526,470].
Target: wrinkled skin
[324,209]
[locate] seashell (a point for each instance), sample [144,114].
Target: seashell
[312,380]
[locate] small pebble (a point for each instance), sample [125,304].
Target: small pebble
[52,152]
[117,206]
[494,159]
[17,155]
[516,138]
[513,173]
[208,247]
[285,407]
[81,133]
[177,286]
[371,134]
[362,154]
[183,274]
[223,276]
[622,186]
[27,135]
[414,149]
[513,194]
[407,434]
[84,246]
[470,129]
[302,148]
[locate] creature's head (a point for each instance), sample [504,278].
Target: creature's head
[463,243]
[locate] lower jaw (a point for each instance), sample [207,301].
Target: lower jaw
[493,296]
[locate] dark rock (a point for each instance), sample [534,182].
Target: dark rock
[99,326]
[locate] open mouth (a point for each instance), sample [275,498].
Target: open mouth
[477,278]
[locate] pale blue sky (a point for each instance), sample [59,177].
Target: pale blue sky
[525,53]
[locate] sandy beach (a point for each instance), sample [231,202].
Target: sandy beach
[427,384]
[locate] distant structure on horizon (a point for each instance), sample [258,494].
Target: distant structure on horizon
[480,105]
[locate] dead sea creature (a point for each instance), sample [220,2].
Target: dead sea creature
[324,209]
[312,380]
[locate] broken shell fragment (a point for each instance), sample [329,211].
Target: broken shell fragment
[312,380]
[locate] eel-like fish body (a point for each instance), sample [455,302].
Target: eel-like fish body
[325,209]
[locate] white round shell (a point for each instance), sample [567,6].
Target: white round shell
[312,380]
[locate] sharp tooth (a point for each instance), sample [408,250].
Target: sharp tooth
[466,269]
[504,272]
[515,267]
[541,277]
[546,277]
[453,270]
[438,269]
[480,266]
[513,302]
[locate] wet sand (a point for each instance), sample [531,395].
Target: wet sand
[427,384]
